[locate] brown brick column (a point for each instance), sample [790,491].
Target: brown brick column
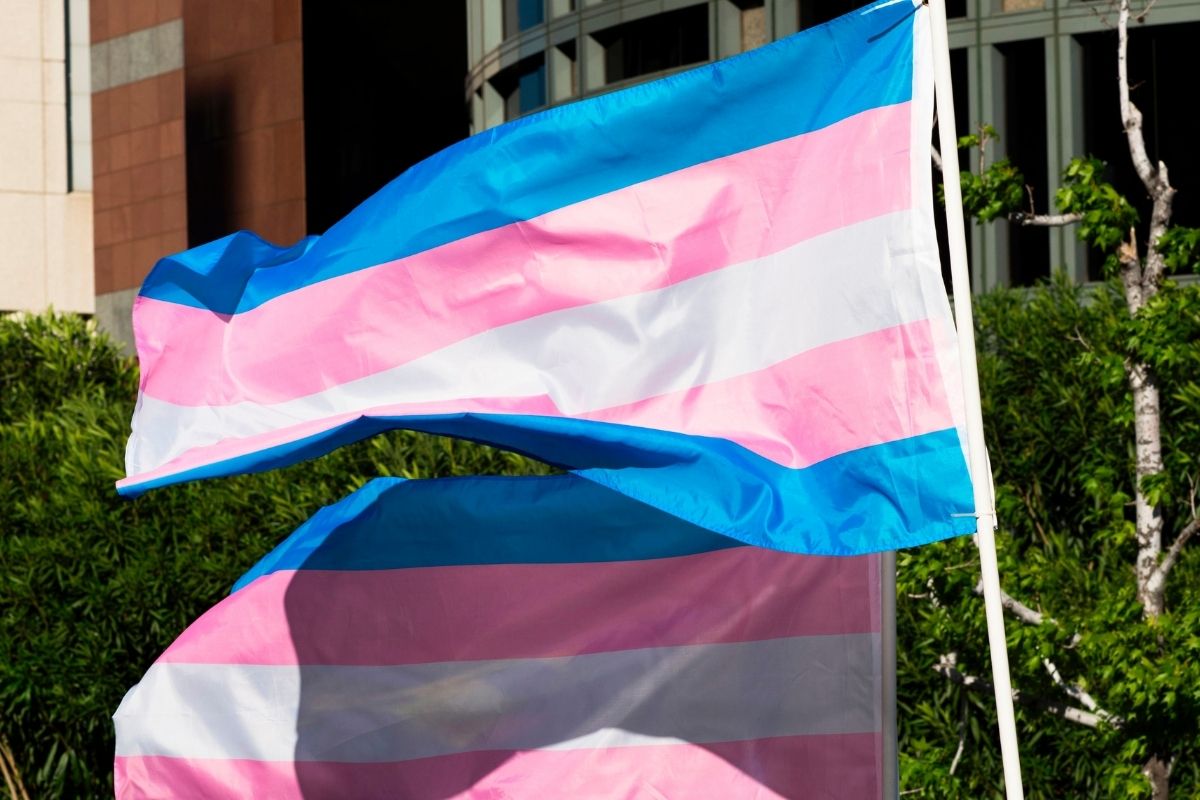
[138,147]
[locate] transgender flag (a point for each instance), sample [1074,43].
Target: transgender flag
[517,638]
[718,293]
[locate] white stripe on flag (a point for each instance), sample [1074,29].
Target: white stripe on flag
[738,320]
[696,693]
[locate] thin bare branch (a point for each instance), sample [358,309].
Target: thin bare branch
[1131,117]
[1080,695]
[1024,612]
[12,776]
[962,736]
[1075,692]
[8,779]
[1192,495]
[1145,12]
[937,157]
[1159,577]
[1033,516]
[1016,607]
[1154,178]
[1043,220]
[1105,21]
[1083,342]
[947,667]
[1021,611]
[1131,282]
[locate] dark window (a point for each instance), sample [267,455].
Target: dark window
[1160,77]
[520,15]
[1025,144]
[655,43]
[531,87]
[815,12]
[523,86]
[958,73]
[373,108]
[530,13]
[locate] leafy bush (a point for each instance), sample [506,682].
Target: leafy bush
[92,586]
[1059,422]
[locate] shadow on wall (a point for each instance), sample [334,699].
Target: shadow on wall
[212,162]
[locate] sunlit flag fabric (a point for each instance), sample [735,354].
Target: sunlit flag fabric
[718,293]
[528,637]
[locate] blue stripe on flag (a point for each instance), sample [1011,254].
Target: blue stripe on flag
[903,493]
[483,520]
[564,155]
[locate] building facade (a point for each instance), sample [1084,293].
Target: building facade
[197,126]
[130,129]
[45,156]
[1043,72]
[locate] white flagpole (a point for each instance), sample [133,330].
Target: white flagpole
[985,512]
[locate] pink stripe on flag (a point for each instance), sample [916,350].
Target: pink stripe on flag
[436,614]
[648,236]
[867,390]
[800,411]
[841,766]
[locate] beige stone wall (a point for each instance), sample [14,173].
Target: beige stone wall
[45,230]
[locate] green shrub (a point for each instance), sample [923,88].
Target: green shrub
[92,586]
[1059,424]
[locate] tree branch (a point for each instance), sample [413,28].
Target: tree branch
[1080,695]
[947,667]
[1159,576]
[1024,612]
[1145,12]
[1156,180]
[1100,16]
[1131,117]
[1037,523]
[937,157]
[12,775]
[1131,279]
[1075,692]
[1043,220]
[962,736]
[1017,608]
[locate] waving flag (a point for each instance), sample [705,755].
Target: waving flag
[527,637]
[718,293]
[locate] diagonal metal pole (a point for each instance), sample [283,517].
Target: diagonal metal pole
[985,512]
[887,640]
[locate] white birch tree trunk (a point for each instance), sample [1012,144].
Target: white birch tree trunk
[1141,280]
